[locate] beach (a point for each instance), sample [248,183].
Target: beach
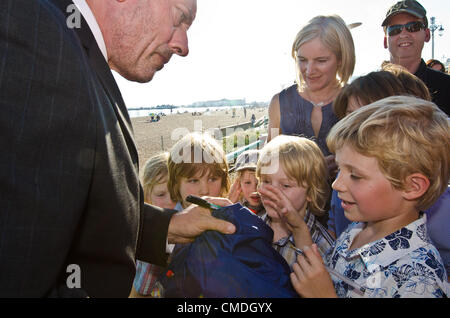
[152,138]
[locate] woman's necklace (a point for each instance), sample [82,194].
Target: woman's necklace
[325,101]
[320,104]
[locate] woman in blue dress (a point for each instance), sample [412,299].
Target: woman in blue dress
[324,53]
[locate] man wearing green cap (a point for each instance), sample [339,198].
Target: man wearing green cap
[405,32]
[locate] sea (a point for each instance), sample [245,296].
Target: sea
[180,110]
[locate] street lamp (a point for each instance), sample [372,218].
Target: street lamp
[434,27]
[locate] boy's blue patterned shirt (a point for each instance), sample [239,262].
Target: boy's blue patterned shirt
[402,264]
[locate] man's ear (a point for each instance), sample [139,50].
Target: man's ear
[385,42]
[427,35]
[416,185]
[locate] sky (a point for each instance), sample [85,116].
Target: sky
[242,48]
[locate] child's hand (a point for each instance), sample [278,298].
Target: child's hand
[235,191]
[277,200]
[294,220]
[310,277]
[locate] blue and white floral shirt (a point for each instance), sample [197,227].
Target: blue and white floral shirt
[403,264]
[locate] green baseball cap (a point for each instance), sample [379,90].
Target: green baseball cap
[407,6]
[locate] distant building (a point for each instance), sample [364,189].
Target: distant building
[222,102]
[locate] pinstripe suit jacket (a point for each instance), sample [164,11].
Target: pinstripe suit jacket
[69,187]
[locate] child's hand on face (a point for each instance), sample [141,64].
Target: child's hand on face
[277,200]
[235,191]
[310,277]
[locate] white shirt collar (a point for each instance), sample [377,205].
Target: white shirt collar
[390,248]
[86,11]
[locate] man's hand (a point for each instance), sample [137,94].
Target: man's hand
[186,225]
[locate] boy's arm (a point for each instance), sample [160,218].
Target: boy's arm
[302,236]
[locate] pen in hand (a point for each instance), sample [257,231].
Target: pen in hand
[201,202]
[356,287]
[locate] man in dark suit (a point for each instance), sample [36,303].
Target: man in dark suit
[72,215]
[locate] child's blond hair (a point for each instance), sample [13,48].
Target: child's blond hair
[155,170]
[303,161]
[405,135]
[194,153]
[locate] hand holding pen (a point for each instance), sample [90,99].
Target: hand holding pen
[186,225]
[356,287]
[201,202]
[210,203]
[310,277]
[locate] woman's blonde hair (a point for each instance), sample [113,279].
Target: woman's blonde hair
[302,160]
[405,135]
[336,36]
[154,172]
[196,153]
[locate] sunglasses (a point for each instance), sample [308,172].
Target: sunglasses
[411,27]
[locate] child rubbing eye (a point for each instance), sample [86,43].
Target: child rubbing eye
[293,176]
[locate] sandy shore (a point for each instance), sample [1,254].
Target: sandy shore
[154,137]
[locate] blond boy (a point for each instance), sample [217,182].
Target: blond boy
[394,160]
[293,175]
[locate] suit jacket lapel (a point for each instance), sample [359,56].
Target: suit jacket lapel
[101,68]
[106,77]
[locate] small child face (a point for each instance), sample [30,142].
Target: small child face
[160,195]
[198,185]
[249,185]
[290,187]
[366,194]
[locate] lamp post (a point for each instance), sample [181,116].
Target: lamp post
[434,27]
